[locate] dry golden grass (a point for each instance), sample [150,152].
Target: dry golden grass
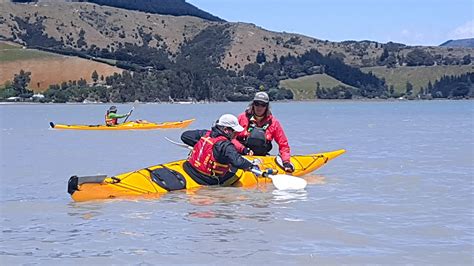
[48,68]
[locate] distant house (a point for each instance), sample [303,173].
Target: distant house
[13,99]
[37,96]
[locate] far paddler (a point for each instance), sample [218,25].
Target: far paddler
[111,117]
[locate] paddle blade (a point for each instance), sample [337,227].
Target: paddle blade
[288,182]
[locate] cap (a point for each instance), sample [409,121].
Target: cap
[113,108]
[262,97]
[231,121]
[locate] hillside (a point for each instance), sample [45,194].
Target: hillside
[466,43]
[14,58]
[164,7]
[417,76]
[84,26]
[189,57]
[305,87]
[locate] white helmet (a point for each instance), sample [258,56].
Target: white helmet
[231,121]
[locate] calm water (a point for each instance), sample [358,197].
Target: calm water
[403,192]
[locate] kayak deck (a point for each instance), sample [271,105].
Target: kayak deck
[132,125]
[151,182]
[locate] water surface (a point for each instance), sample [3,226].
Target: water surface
[403,192]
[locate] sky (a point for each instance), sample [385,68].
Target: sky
[411,22]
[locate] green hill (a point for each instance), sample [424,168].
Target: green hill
[13,52]
[417,76]
[304,88]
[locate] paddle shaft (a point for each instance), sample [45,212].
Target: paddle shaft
[131,111]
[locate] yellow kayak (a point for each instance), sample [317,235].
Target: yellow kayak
[132,125]
[153,181]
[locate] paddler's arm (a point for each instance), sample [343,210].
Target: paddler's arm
[240,136]
[226,153]
[191,137]
[240,147]
[282,141]
[114,115]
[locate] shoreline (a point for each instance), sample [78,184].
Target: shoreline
[273,102]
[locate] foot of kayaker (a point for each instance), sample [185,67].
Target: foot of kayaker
[214,156]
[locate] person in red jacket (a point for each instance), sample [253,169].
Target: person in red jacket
[260,129]
[214,157]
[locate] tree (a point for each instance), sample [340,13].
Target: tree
[391,61]
[430,87]
[466,60]
[460,89]
[383,56]
[261,58]
[419,57]
[391,90]
[95,76]
[20,84]
[409,88]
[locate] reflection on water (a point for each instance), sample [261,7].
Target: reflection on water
[313,179]
[289,196]
[84,210]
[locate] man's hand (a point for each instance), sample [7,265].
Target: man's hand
[289,168]
[248,151]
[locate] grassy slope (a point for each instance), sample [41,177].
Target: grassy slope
[305,87]
[10,52]
[46,68]
[417,76]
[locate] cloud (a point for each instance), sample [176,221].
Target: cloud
[464,31]
[411,37]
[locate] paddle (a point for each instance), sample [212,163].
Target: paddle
[182,145]
[281,182]
[131,111]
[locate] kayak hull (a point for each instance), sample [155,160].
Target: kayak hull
[132,125]
[154,181]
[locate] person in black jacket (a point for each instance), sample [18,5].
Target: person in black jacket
[214,157]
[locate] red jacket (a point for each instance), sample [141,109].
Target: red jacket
[202,156]
[273,132]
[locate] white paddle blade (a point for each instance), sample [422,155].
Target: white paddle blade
[288,182]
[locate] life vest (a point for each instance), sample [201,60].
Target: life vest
[202,156]
[110,121]
[257,140]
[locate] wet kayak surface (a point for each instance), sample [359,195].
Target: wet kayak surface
[403,191]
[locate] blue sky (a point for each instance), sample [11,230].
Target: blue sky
[412,22]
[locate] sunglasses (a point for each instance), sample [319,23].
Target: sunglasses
[262,104]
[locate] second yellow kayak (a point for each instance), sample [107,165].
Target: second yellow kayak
[132,125]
